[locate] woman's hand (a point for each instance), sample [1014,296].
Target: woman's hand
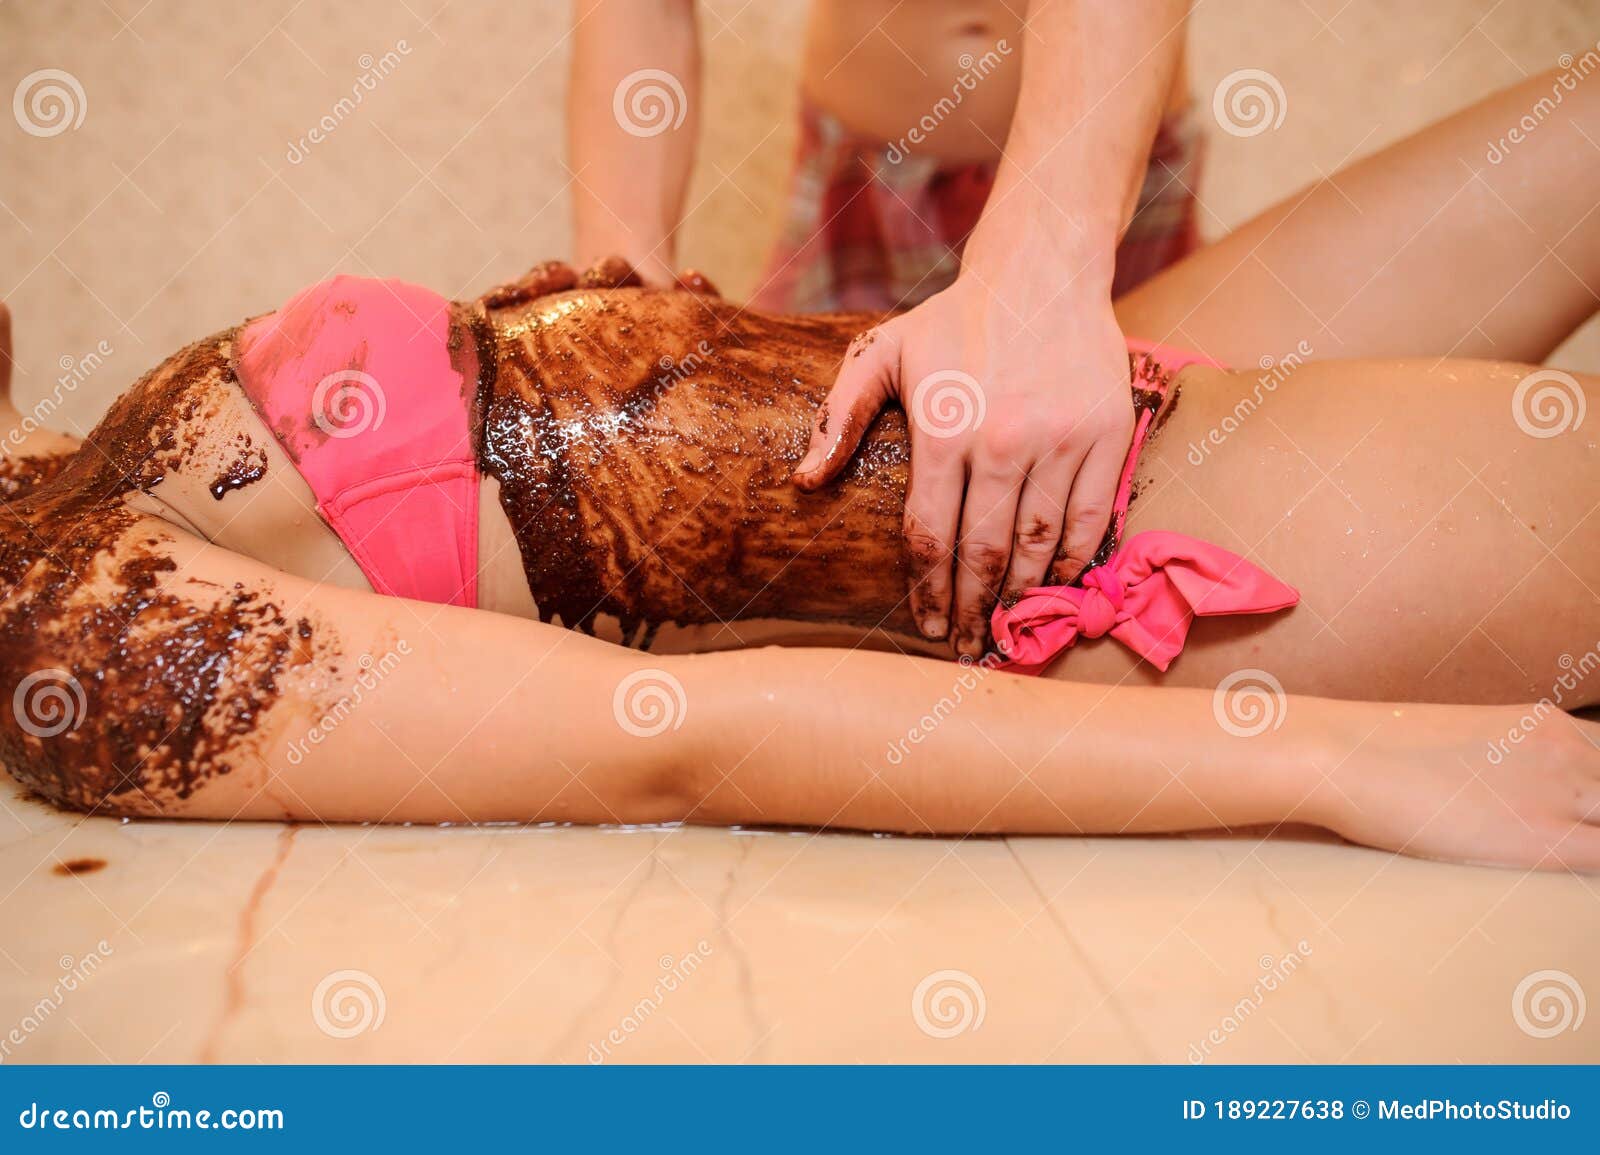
[1500,785]
[1020,421]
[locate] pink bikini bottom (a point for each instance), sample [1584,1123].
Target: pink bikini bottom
[356,379]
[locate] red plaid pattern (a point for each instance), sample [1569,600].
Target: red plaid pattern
[867,233]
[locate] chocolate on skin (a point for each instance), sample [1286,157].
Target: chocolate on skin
[644,441]
[246,468]
[20,476]
[145,684]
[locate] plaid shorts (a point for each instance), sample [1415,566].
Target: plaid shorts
[865,232]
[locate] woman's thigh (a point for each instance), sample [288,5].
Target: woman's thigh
[1444,551]
[1429,248]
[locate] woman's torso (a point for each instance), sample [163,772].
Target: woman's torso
[636,448]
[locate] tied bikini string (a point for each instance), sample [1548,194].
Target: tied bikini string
[1145,595]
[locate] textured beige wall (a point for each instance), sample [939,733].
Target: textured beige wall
[172,210]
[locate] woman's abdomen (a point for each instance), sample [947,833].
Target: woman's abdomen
[643,441]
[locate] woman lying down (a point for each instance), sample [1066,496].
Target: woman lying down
[382,557]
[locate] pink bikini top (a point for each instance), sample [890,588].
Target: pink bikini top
[1149,590]
[354,377]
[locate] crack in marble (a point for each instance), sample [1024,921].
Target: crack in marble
[233,977]
[759,1030]
[1108,995]
[1275,927]
[590,1008]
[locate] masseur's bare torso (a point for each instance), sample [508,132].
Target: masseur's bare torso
[880,66]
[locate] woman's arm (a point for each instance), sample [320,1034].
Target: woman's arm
[884,742]
[633,115]
[404,711]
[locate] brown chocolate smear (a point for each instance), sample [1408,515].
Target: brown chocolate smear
[246,468]
[72,866]
[644,442]
[131,684]
[23,474]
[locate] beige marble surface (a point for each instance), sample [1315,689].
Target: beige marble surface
[513,944]
[173,211]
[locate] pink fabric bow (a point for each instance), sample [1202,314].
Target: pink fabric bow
[1145,596]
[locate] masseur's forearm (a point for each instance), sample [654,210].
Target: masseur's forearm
[1096,76]
[884,742]
[631,160]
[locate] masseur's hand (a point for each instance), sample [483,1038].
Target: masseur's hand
[1020,420]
